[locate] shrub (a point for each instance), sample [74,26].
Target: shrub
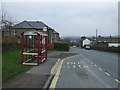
[10,43]
[10,46]
[61,46]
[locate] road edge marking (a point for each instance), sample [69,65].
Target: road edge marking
[117,81]
[107,73]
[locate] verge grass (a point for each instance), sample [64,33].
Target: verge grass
[11,66]
[51,50]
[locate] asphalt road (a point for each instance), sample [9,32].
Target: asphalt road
[89,69]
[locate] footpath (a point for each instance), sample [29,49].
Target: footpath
[38,77]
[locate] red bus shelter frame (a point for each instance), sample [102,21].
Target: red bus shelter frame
[33,47]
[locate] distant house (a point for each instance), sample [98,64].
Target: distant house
[105,41]
[32,26]
[55,36]
[86,42]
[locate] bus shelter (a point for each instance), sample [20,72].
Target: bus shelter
[33,47]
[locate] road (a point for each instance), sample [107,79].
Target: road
[88,69]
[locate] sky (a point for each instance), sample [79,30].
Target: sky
[69,18]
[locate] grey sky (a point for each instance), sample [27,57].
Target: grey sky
[68,18]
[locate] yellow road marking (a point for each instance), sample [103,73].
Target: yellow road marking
[56,77]
[54,81]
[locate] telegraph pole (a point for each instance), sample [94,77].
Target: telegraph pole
[96,35]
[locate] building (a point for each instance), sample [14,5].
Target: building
[31,26]
[85,42]
[55,36]
[104,41]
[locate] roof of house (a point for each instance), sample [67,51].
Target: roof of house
[30,25]
[55,32]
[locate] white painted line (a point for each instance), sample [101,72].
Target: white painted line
[74,62]
[100,69]
[107,73]
[78,62]
[95,65]
[91,62]
[79,66]
[71,62]
[67,62]
[68,67]
[71,57]
[73,66]
[117,80]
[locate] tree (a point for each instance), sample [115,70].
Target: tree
[83,37]
[6,21]
[110,36]
[99,36]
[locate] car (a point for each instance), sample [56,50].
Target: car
[87,47]
[74,46]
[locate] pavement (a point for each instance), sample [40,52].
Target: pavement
[36,77]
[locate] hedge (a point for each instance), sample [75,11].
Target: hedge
[10,43]
[10,46]
[108,49]
[61,46]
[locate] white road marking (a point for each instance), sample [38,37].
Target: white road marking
[71,62]
[95,65]
[73,66]
[107,73]
[78,62]
[74,62]
[117,80]
[100,69]
[79,66]
[68,67]
[91,62]
[67,62]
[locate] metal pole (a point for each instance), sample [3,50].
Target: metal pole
[46,41]
[22,48]
[38,49]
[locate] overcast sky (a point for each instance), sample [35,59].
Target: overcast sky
[69,18]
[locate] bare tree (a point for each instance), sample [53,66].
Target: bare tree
[6,20]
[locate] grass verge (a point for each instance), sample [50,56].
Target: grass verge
[52,50]
[11,66]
